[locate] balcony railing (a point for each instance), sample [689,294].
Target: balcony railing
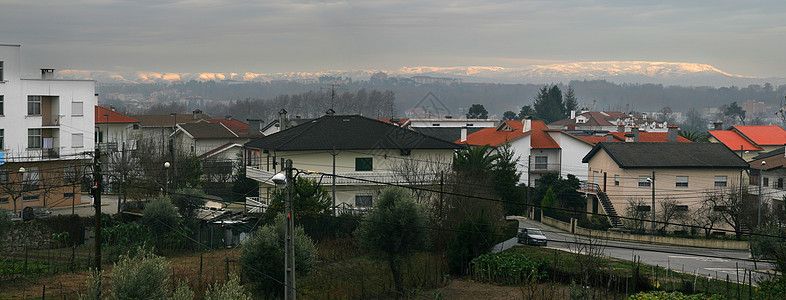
[347,178]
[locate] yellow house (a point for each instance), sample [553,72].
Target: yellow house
[365,154]
[648,173]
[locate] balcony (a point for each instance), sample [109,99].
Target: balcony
[51,120]
[346,178]
[544,168]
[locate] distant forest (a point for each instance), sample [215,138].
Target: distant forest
[393,97]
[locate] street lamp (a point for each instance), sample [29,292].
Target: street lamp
[166,189]
[22,192]
[761,179]
[651,180]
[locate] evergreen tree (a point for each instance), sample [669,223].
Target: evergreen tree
[571,103]
[549,106]
[526,111]
[509,115]
[477,111]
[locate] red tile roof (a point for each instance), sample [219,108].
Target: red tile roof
[512,130]
[763,135]
[597,139]
[733,140]
[111,117]
[651,137]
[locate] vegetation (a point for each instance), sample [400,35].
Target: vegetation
[309,199]
[160,216]
[506,268]
[395,229]
[262,258]
[477,111]
[188,200]
[230,290]
[140,276]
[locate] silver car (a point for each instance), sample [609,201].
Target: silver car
[532,236]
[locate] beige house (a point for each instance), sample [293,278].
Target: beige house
[364,152]
[620,172]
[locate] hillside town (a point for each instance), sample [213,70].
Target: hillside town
[417,204]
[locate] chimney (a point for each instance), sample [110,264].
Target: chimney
[197,113]
[572,114]
[47,73]
[621,127]
[254,125]
[228,117]
[282,119]
[609,138]
[672,134]
[463,134]
[718,125]
[527,124]
[635,131]
[629,138]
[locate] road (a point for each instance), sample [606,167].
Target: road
[708,262]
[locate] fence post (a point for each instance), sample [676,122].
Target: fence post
[200,271]
[43,292]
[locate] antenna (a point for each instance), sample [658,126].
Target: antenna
[333,87]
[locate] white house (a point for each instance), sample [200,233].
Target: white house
[539,149]
[46,127]
[363,151]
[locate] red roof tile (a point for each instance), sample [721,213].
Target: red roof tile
[512,130]
[650,137]
[763,135]
[733,140]
[111,117]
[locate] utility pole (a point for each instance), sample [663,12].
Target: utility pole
[652,182]
[289,256]
[761,179]
[97,185]
[333,183]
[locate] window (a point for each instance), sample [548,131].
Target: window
[33,105]
[34,139]
[720,181]
[3,175]
[4,200]
[76,108]
[1,71]
[542,162]
[616,180]
[364,164]
[643,182]
[30,179]
[766,181]
[2,112]
[643,208]
[780,180]
[680,208]
[68,195]
[31,198]
[77,140]
[2,139]
[682,181]
[435,125]
[363,201]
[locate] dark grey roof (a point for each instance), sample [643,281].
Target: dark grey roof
[767,154]
[348,133]
[669,155]
[445,133]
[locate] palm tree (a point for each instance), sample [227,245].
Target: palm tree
[695,136]
[474,160]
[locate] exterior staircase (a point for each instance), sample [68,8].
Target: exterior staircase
[604,200]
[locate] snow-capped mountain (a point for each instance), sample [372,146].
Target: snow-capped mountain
[670,73]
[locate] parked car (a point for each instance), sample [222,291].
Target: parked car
[35,212]
[532,236]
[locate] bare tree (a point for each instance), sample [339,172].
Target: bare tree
[731,204]
[637,211]
[590,253]
[707,216]
[670,211]
[429,172]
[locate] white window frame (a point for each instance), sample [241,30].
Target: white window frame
[34,105]
[364,196]
[616,180]
[77,140]
[721,181]
[681,181]
[643,182]
[2,106]
[77,109]
[543,164]
[32,133]
[2,139]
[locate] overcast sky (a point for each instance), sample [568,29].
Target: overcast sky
[739,37]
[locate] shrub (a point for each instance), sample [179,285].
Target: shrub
[161,216]
[141,276]
[471,239]
[188,200]
[506,268]
[765,243]
[263,257]
[230,290]
[182,292]
[674,296]
[595,222]
[93,286]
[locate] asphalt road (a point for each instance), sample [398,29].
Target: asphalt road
[707,262]
[108,206]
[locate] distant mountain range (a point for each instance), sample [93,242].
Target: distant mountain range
[667,73]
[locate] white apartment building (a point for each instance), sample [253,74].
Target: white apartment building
[46,126]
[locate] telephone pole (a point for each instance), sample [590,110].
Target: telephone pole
[289,263]
[97,185]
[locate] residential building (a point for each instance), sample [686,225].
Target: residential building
[115,131]
[635,136]
[768,172]
[539,149]
[608,121]
[364,153]
[199,138]
[749,141]
[46,127]
[155,129]
[623,172]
